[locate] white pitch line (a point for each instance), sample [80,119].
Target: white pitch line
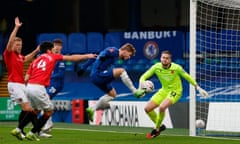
[75,129]
[97,130]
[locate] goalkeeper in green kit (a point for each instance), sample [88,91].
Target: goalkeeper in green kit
[169,74]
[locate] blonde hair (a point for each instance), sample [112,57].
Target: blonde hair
[129,47]
[17,39]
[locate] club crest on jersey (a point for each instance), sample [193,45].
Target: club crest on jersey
[151,50]
[172,71]
[111,50]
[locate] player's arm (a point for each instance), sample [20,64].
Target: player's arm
[187,77]
[148,74]
[27,76]
[32,54]
[108,52]
[12,37]
[78,57]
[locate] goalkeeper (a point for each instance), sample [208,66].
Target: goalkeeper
[169,74]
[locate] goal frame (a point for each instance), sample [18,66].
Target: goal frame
[192,66]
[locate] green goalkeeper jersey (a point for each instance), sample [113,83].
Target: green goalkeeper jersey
[170,78]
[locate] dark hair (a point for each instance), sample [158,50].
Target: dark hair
[45,46]
[167,52]
[57,41]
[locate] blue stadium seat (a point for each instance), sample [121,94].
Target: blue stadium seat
[94,42]
[112,39]
[77,43]
[51,36]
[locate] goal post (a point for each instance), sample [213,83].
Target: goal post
[215,63]
[192,70]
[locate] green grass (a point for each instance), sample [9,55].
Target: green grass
[85,134]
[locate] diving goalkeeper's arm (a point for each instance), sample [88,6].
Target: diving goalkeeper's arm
[201,91]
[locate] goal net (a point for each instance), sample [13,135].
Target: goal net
[217,65]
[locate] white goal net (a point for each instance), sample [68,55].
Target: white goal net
[217,66]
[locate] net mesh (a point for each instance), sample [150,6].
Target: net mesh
[218,67]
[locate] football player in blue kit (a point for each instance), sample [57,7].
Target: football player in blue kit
[102,74]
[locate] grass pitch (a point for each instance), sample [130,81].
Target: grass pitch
[64,133]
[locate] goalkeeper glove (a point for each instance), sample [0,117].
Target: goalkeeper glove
[202,92]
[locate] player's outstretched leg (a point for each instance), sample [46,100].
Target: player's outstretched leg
[90,113]
[155,132]
[139,93]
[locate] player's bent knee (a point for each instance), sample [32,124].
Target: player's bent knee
[146,110]
[48,112]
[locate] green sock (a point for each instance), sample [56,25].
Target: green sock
[152,115]
[159,120]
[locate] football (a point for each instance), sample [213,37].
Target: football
[200,123]
[147,85]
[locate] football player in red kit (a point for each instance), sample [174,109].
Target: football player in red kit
[38,78]
[14,62]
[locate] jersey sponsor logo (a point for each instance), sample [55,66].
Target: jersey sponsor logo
[151,50]
[173,94]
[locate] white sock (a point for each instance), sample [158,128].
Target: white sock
[18,129]
[127,81]
[48,124]
[103,103]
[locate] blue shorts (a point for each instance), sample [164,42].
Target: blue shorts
[53,91]
[103,80]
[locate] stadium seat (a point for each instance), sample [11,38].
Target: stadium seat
[51,36]
[77,43]
[94,42]
[112,39]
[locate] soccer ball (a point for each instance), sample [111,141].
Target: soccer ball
[147,85]
[200,123]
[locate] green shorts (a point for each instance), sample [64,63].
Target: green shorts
[161,95]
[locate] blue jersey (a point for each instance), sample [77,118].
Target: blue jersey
[57,79]
[101,72]
[105,60]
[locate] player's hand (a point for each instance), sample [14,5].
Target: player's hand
[92,56]
[17,22]
[202,92]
